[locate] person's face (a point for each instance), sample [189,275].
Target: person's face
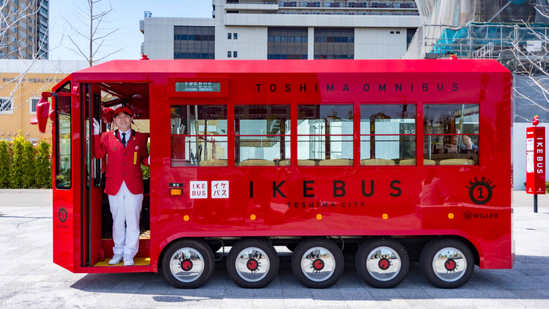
[123,121]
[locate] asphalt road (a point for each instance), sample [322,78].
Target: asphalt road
[29,279]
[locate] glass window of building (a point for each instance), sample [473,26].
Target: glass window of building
[387,134]
[334,43]
[229,54]
[199,135]
[262,135]
[235,36]
[451,133]
[194,42]
[228,36]
[235,54]
[287,43]
[325,135]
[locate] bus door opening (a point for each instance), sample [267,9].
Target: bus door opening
[97,222]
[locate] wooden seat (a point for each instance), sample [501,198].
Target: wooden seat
[213,163]
[336,162]
[413,162]
[456,162]
[257,162]
[377,162]
[299,163]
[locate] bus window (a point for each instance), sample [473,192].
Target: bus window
[387,134]
[262,135]
[63,171]
[325,135]
[451,133]
[199,135]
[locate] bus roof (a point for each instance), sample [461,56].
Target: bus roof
[296,66]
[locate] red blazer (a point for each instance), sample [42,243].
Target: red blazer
[124,164]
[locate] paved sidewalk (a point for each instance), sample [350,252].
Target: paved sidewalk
[29,279]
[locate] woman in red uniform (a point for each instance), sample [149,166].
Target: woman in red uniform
[126,150]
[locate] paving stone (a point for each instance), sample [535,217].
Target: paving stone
[30,279]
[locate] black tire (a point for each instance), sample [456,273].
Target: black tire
[320,278]
[381,272]
[455,277]
[243,274]
[182,278]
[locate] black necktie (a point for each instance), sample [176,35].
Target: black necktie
[124,140]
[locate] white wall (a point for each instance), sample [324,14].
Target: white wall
[519,153]
[379,43]
[42,66]
[159,40]
[251,42]
[298,20]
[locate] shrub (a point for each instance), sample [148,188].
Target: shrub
[16,168]
[146,169]
[43,166]
[4,164]
[28,165]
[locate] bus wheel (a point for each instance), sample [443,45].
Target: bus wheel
[188,264]
[317,262]
[383,263]
[447,263]
[252,263]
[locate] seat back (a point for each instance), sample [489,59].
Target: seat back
[456,162]
[377,162]
[336,162]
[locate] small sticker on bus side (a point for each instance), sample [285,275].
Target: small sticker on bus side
[220,189]
[199,189]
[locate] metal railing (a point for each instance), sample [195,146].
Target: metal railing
[335,4]
[486,41]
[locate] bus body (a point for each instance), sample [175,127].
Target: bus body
[400,155]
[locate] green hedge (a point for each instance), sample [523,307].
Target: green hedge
[24,166]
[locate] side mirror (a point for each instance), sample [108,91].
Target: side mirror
[43,112]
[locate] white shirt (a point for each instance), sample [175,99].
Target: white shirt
[127,136]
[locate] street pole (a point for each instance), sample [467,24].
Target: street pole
[535,203]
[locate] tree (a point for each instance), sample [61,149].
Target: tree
[28,163]
[4,164]
[95,36]
[16,168]
[43,166]
[13,17]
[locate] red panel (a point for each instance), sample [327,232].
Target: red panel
[65,214]
[535,160]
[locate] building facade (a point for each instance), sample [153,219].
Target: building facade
[255,29]
[15,114]
[24,29]
[511,32]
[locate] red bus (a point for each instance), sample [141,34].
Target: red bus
[400,160]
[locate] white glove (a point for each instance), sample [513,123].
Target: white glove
[95,127]
[149,158]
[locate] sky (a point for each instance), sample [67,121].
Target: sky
[126,15]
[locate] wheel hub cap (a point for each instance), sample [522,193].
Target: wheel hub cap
[383,263]
[449,264]
[252,264]
[187,264]
[318,264]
